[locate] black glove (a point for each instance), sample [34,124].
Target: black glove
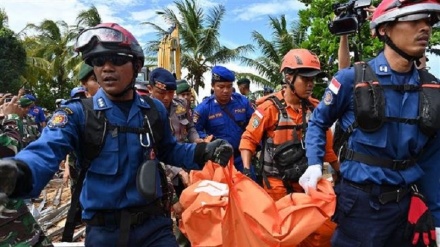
[247,172]
[15,178]
[420,228]
[219,151]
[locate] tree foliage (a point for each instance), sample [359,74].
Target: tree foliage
[12,58]
[284,38]
[199,38]
[52,62]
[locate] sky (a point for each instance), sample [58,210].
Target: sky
[241,18]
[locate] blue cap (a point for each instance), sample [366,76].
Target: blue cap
[30,96]
[268,90]
[162,79]
[77,92]
[222,74]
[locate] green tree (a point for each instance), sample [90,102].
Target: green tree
[12,58]
[85,19]
[51,43]
[315,19]
[199,36]
[88,18]
[284,38]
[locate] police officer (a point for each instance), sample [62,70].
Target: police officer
[385,139]
[78,92]
[114,209]
[162,87]
[267,91]
[37,112]
[224,114]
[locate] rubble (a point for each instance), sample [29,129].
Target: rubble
[50,211]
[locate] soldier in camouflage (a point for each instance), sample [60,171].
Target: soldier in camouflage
[29,128]
[17,226]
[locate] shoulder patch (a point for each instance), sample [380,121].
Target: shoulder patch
[328,97]
[58,120]
[255,122]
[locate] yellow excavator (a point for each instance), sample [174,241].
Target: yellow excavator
[168,56]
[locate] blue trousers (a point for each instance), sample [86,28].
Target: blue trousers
[157,231]
[364,222]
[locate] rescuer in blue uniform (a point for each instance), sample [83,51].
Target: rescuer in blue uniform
[224,114]
[386,129]
[113,205]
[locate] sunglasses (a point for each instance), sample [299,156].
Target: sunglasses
[103,34]
[118,59]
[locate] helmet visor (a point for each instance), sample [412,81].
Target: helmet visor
[103,34]
[432,17]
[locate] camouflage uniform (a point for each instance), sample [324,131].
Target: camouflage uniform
[183,130]
[252,98]
[29,131]
[17,226]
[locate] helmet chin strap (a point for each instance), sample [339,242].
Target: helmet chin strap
[130,86]
[403,54]
[292,86]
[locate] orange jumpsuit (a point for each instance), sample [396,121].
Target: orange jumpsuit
[262,125]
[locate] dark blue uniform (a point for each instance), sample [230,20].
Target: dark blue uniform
[358,212]
[210,119]
[110,182]
[38,114]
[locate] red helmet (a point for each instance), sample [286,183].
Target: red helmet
[303,60]
[108,38]
[405,10]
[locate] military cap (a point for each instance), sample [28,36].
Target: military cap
[183,87]
[243,81]
[222,74]
[24,102]
[162,79]
[85,71]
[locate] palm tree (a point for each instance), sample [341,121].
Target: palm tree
[199,39]
[51,43]
[272,51]
[85,19]
[3,18]
[88,18]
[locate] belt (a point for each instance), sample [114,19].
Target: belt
[396,165]
[388,193]
[135,216]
